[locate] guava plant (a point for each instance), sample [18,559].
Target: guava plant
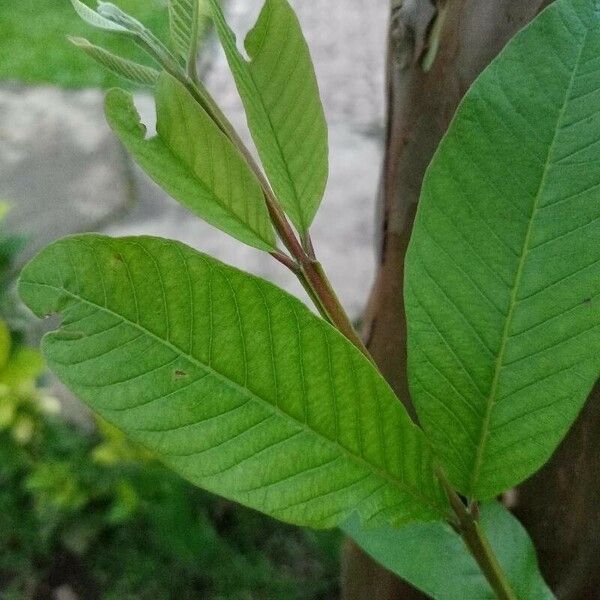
[245,392]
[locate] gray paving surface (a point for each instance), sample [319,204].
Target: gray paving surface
[60,166]
[347,39]
[63,171]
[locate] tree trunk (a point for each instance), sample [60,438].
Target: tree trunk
[560,506]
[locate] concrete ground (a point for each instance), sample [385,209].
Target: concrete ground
[64,172]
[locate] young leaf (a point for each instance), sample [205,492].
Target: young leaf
[503,271]
[193,161]
[434,559]
[183,17]
[233,382]
[117,64]
[91,17]
[114,14]
[280,94]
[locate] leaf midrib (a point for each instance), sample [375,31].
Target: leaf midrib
[499,364]
[246,391]
[262,107]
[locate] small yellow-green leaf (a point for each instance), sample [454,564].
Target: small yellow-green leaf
[188,20]
[5,344]
[25,364]
[91,17]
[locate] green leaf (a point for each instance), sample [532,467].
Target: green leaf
[114,14]
[5,343]
[280,94]
[183,18]
[195,162]
[117,64]
[434,559]
[4,210]
[503,271]
[233,382]
[91,17]
[25,364]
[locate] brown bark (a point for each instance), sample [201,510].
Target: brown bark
[560,506]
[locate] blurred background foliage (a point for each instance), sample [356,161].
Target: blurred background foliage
[89,512]
[34,47]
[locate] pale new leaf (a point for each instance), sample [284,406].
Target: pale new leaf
[122,67]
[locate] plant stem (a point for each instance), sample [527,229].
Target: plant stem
[314,279]
[308,270]
[319,282]
[469,527]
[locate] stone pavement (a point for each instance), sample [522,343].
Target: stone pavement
[64,172]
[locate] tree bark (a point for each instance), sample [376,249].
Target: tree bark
[560,505]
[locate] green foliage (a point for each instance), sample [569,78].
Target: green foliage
[10,246]
[91,17]
[232,381]
[126,69]
[94,511]
[35,49]
[241,389]
[20,401]
[434,559]
[503,272]
[97,512]
[5,344]
[183,19]
[192,159]
[280,93]
[188,20]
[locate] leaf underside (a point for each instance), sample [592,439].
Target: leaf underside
[434,559]
[192,160]
[233,382]
[183,30]
[123,67]
[280,94]
[503,271]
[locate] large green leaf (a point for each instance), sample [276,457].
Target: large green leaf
[236,384]
[503,271]
[194,162]
[433,557]
[280,94]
